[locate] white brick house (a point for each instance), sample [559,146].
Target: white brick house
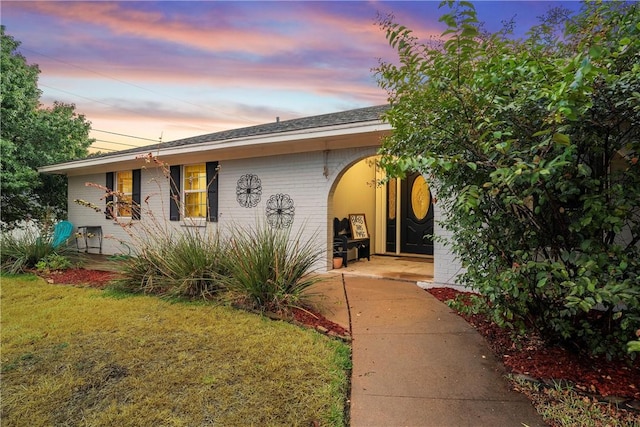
[316,168]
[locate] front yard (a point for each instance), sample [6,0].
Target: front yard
[74,356]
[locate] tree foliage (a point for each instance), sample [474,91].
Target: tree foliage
[32,136]
[533,147]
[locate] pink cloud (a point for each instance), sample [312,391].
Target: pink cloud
[121,20]
[299,50]
[311,26]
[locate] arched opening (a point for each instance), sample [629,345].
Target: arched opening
[399,214]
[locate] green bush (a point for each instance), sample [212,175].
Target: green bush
[259,268]
[187,264]
[269,269]
[23,249]
[53,261]
[532,145]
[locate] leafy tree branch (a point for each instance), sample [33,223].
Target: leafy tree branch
[32,136]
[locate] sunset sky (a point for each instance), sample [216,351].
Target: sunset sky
[185,68]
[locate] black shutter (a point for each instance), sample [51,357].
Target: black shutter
[136,196]
[109,207]
[175,185]
[212,191]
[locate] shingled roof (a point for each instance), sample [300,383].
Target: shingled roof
[332,119]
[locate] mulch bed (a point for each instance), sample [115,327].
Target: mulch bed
[80,276]
[531,357]
[320,323]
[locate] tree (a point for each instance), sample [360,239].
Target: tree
[32,136]
[533,148]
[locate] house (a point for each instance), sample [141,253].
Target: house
[295,173]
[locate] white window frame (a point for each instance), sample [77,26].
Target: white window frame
[202,191]
[118,190]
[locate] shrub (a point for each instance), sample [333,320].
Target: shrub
[23,249]
[533,148]
[53,261]
[269,269]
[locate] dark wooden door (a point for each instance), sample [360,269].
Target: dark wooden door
[416,233]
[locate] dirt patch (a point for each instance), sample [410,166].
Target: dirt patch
[531,357]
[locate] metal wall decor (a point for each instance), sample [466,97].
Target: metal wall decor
[249,190]
[280,211]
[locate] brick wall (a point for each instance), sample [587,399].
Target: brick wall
[301,176]
[446,266]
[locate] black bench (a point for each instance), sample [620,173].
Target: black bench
[343,241]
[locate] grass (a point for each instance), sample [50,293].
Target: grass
[561,406]
[74,356]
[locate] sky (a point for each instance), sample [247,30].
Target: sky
[148,71]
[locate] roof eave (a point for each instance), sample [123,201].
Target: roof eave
[306,140]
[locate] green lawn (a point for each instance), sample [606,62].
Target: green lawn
[79,356]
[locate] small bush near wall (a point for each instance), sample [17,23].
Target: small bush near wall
[259,268]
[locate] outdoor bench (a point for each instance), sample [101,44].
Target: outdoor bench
[343,241]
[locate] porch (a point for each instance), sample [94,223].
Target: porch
[395,267]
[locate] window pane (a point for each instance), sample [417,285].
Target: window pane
[195,177]
[125,182]
[124,206]
[124,186]
[195,205]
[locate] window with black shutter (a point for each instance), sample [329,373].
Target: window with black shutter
[125,195]
[194,191]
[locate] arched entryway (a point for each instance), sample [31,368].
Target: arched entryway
[399,214]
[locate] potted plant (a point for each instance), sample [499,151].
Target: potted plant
[337,260]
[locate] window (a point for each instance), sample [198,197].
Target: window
[127,185]
[124,191]
[195,191]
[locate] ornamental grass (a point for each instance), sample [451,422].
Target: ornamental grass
[270,269]
[187,264]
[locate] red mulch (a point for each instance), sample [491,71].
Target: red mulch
[80,276]
[319,322]
[533,358]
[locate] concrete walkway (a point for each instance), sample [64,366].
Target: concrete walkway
[415,362]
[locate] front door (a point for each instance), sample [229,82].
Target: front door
[416,233]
